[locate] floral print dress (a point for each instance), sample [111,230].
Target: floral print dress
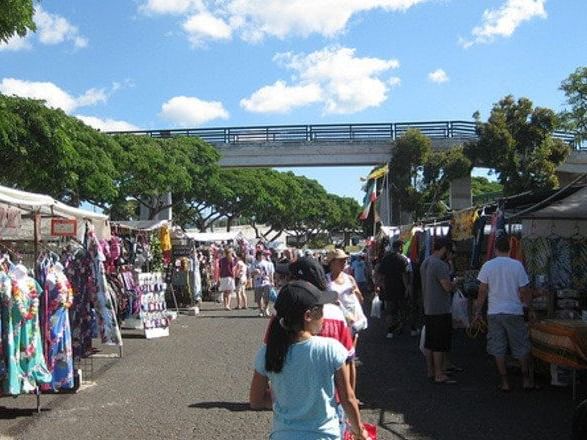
[25,367]
[58,339]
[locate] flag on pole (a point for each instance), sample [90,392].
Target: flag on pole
[370,197]
[378,173]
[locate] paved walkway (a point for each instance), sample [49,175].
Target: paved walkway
[194,385]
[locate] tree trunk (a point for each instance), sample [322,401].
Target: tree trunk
[254,225]
[228,223]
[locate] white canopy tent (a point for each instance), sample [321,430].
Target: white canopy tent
[215,237]
[47,207]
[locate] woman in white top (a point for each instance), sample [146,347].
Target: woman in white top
[240,278]
[349,297]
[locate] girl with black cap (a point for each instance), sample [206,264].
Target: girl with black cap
[304,370]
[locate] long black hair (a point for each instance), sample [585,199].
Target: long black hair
[282,332]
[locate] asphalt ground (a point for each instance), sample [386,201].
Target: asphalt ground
[194,385]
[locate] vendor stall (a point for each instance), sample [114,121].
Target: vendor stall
[52,289]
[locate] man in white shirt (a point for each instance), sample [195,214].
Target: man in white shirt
[504,282]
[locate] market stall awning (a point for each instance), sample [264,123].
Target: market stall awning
[573,207]
[142,225]
[48,207]
[212,237]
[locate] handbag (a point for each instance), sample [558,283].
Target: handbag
[369,427]
[272,294]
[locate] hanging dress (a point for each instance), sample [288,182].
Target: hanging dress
[59,354]
[105,300]
[79,272]
[26,368]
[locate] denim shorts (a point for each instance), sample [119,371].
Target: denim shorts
[508,330]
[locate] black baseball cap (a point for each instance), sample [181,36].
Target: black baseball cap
[308,269]
[301,295]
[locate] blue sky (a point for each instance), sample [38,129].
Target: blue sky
[154,64]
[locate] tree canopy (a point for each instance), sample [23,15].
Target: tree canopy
[575,117]
[45,150]
[16,18]
[517,143]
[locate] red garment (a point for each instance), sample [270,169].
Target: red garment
[516,251]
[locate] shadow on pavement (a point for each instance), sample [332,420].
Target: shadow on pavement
[15,413]
[231,406]
[399,398]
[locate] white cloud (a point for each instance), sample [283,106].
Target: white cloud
[281,98]
[335,77]
[203,26]
[16,43]
[257,19]
[191,111]
[502,22]
[52,94]
[439,76]
[394,81]
[107,124]
[170,6]
[54,29]
[51,29]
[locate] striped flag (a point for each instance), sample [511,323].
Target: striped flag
[370,197]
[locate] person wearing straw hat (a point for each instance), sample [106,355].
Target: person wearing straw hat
[349,297]
[304,370]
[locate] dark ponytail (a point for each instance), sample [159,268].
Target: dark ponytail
[282,332]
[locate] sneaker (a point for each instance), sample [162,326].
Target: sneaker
[261,314]
[197,310]
[389,335]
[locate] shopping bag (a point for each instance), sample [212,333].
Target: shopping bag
[272,294]
[376,308]
[370,428]
[460,310]
[422,341]
[361,322]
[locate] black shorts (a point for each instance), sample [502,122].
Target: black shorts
[438,332]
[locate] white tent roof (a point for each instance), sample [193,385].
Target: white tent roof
[573,207]
[143,225]
[49,207]
[210,237]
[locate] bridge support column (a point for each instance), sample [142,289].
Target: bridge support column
[460,193]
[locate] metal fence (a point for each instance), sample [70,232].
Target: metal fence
[329,132]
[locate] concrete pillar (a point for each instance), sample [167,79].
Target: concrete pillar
[460,193]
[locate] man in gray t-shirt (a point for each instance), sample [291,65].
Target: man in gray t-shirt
[436,290]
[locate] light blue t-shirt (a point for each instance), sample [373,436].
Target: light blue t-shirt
[304,407]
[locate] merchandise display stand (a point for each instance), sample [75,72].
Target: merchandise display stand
[154,316]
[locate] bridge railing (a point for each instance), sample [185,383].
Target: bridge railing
[330,132]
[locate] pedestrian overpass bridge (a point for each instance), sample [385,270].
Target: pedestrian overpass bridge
[345,145]
[322,144]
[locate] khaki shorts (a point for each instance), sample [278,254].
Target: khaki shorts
[508,330]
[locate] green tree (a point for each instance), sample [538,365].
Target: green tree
[575,88]
[16,18]
[419,176]
[44,150]
[517,143]
[151,167]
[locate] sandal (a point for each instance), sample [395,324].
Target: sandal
[447,381]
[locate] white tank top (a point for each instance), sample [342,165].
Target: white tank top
[345,292]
